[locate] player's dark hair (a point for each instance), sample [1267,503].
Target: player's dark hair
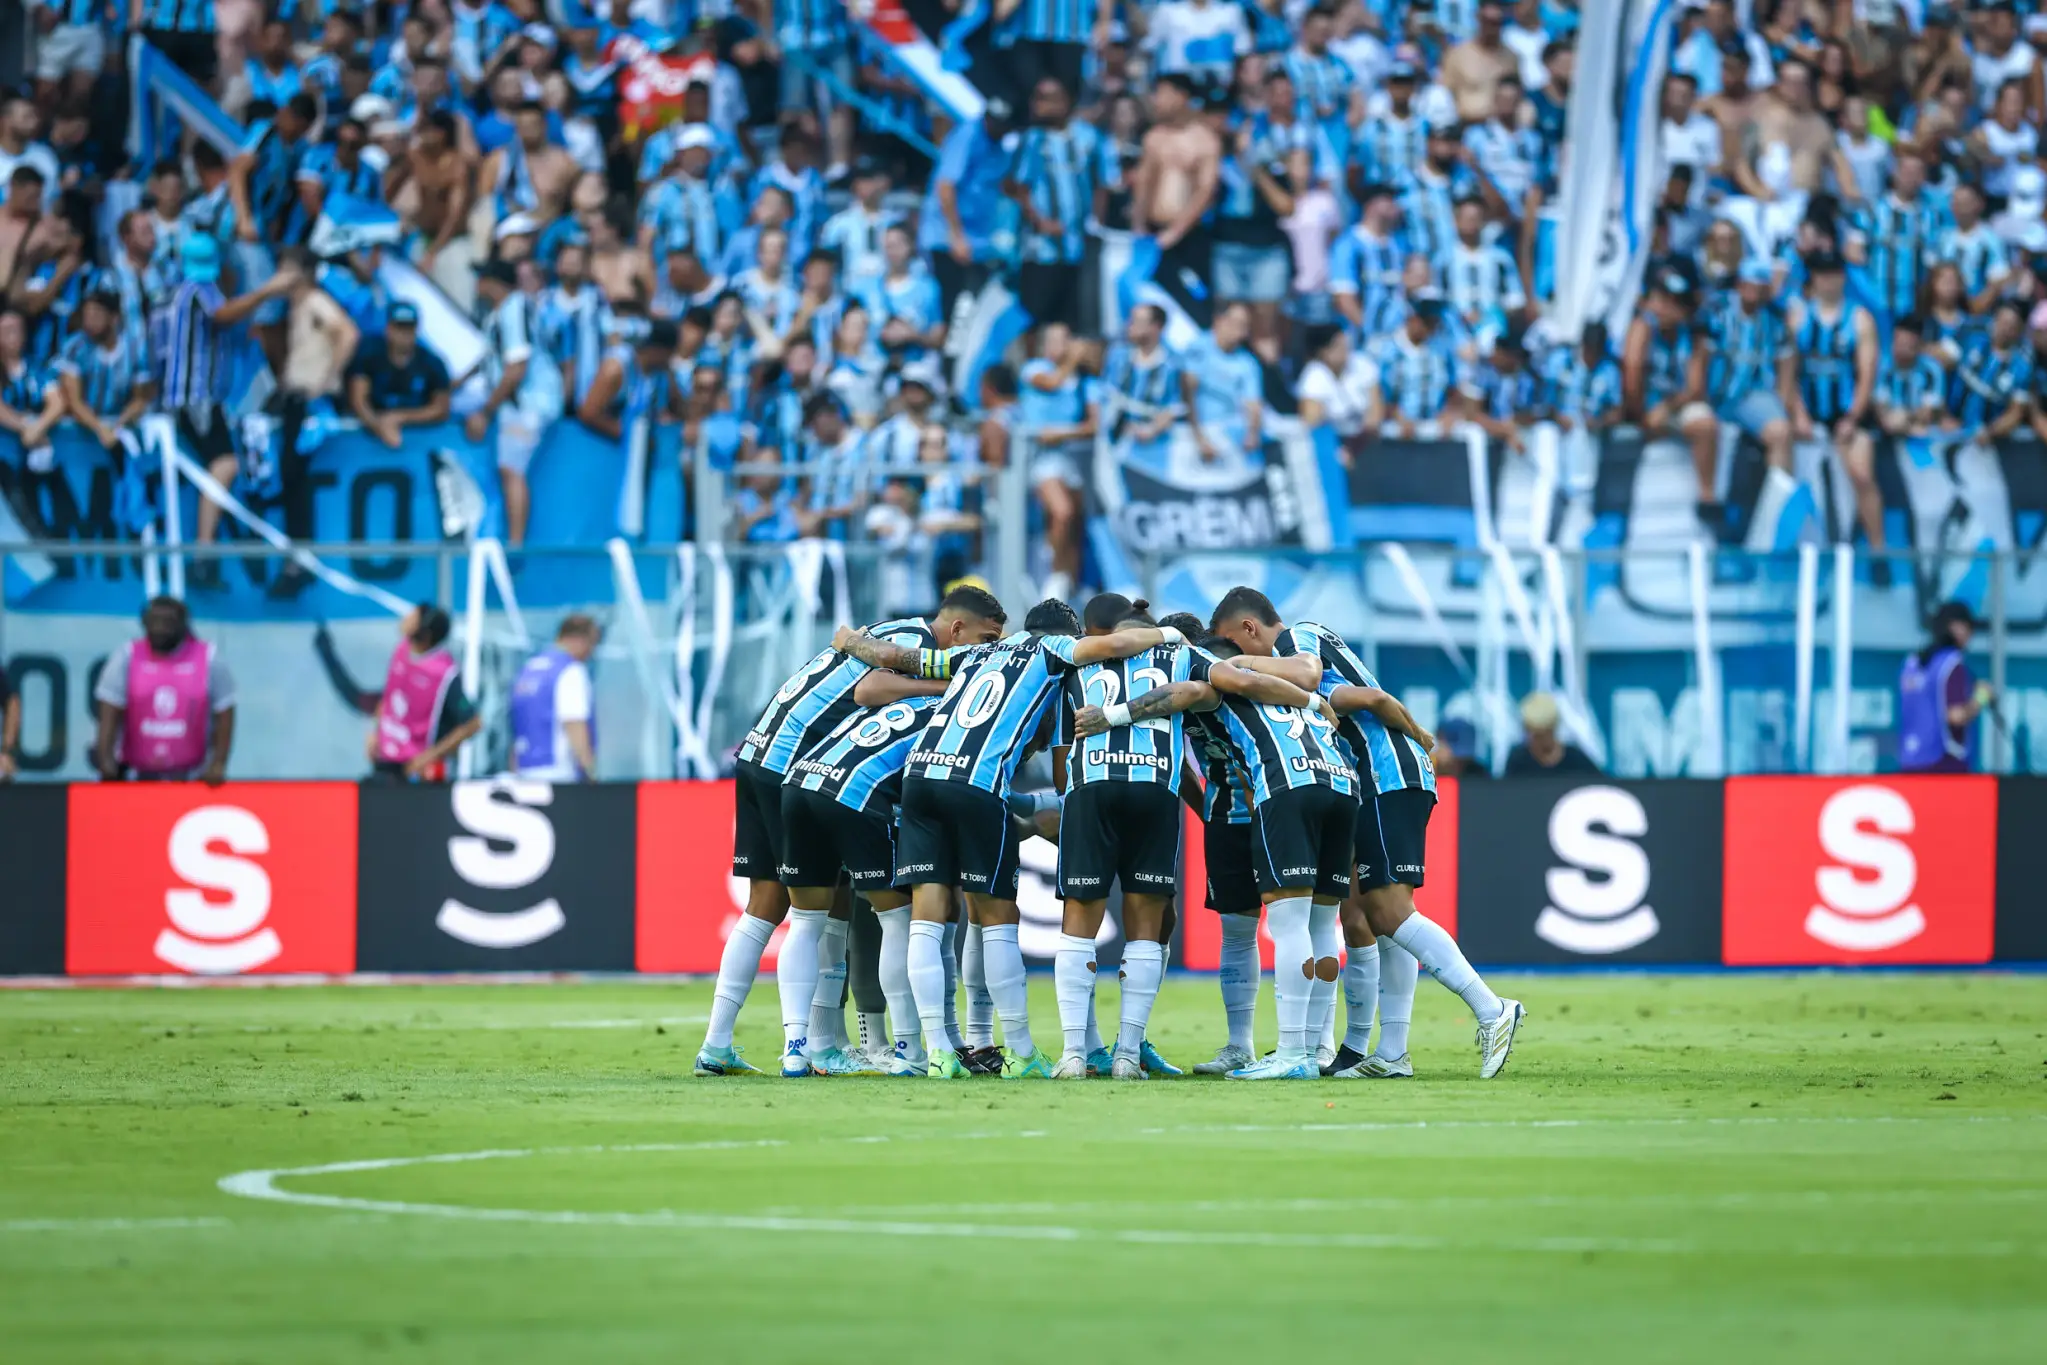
[1107,610]
[1052,617]
[433,627]
[303,107]
[1186,622]
[207,157]
[1241,601]
[968,600]
[1220,646]
[1911,322]
[577,626]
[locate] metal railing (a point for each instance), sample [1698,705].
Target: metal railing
[1666,663]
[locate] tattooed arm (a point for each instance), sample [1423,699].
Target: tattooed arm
[934,664]
[1150,705]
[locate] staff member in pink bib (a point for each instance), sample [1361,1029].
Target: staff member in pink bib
[423,716]
[166,704]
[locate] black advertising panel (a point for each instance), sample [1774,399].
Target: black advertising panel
[33,819]
[1571,870]
[2021,870]
[497,874]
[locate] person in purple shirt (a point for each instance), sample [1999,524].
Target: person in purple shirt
[1939,699]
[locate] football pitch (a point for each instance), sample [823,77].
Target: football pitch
[1673,1168]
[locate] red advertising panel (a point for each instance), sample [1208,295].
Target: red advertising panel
[216,881]
[1859,870]
[1201,934]
[688,897]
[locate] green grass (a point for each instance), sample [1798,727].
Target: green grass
[1672,1169]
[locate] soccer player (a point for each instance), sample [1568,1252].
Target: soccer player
[1392,753]
[956,826]
[839,813]
[1303,806]
[813,702]
[1232,887]
[1122,818]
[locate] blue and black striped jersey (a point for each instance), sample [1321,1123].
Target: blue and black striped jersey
[860,763]
[1390,762]
[1147,751]
[1280,747]
[818,698]
[1000,696]
[1220,767]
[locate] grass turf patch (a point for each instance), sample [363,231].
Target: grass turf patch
[1672,1168]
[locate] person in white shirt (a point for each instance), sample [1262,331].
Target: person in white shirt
[1199,39]
[1339,389]
[553,711]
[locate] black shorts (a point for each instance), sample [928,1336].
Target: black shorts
[1393,838]
[195,54]
[757,824]
[821,836]
[1050,292]
[1112,830]
[1232,885]
[956,835]
[1303,839]
[207,432]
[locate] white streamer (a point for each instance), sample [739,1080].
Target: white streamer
[633,605]
[209,487]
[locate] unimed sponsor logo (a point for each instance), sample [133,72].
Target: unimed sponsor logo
[186,878]
[1897,869]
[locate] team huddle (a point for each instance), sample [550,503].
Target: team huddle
[885,768]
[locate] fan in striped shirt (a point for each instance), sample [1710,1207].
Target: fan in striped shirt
[106,388]
[1482,280]
[1365,265]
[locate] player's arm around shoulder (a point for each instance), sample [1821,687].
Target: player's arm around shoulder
[882,686]
[1384,706]
[1266,686]
[1171,699]
[1119,644]
[1304,671]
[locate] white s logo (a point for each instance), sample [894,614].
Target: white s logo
[1866,916]
[531,836]
[218,940]
[1608,916]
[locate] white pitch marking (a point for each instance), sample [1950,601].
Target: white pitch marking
[262,1185]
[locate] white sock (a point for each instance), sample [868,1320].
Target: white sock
[1360,995]
[1240,973]
[952,987]
[1328,941]
[974,972]
[827,1005]
[926,968]
[1441,958]
[796,973]
[1003,962]
[1397,974]
[1292,945]
[1144,966]
[1092,1039]
[895,978]
[738,965]
[1073,976]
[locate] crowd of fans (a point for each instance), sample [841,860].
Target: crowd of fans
[1353,205]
